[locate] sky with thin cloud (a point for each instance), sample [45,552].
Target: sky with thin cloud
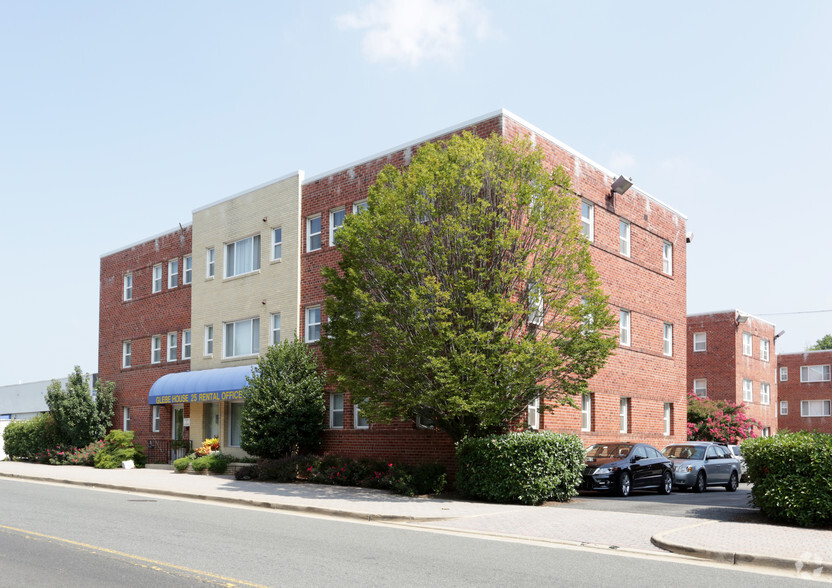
[119,119]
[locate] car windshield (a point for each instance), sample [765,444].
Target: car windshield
[602,450]
[684,452]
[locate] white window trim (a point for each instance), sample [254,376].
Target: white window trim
[173,343]
[825,408]
[125,418]
[747,391]
[157,279]
[747,344]
[702,344]
[700,384]
[667,417]
[667,258]
[274,329]
[310,234]
[127,288]
[807,370]
[356,410]
[156,418]
[360,206]
[156,349]
[784,374]
[667,340]
[230,251]
[624,415]
[624,328]
[586,412]
[332,228]
[186,344]
[210,263]
[765,393]
[208,348]
[764,350]
[588,222]
[187,270]
[228,342]
[784,407]
[537,311]
[308,324]
[533,418]
[277,245]
[624,240]
[333,411]
[173,274]
[127,354]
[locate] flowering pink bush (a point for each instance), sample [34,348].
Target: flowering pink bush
[719,420]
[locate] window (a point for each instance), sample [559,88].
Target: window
[242,338]
[157,278]
[313,233]
[624,330]
[157,418]
[173,273]
[588,219]
[668,339]
[360,206]
[172,341]
[534,414]
[126,354]
[235,417]
[336,221]
[128,287]
[747,391]
[209,262]
[313,324]
[359,420]
[700,341]
[784,407]
[125,417]
[209,340]
[277,244]
[186,344]
[624,238]
[242,257]
[746,344]
[535,302]
[764,349]
[815,408]
[766,432]
[156,349]
[667,258]
[586,412]
[784,374]
[336,411]
[814,373]
[211,419]
[274,338]
[624,415]
[700,387]
[187,269]
[765,393]
[668,418]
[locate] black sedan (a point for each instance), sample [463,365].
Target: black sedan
[622,467]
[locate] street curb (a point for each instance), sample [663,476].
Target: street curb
[333,512]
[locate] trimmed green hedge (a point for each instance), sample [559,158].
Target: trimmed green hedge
[31,439]
[520,467]
[791,477]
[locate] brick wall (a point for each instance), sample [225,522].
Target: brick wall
[793,391]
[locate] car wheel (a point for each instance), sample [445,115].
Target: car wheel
[701,483]
[624,484]
[667,484]
[732,484]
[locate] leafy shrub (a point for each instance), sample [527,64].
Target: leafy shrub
[119,447]
[278,470]
[84,455]
[200,464]
[31,439]
[790,477]
[398,478]
[520,467]
[249,472]
[181,464]
[722,421]
[215,463]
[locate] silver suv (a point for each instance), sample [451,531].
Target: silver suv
[699,464]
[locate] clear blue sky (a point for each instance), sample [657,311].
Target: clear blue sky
[118,119]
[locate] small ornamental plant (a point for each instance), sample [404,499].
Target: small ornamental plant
[208,446]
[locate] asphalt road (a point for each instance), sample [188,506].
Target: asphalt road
[58,535]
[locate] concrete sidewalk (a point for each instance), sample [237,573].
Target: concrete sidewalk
[804,551]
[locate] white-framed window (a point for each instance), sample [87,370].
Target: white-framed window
[764,349]
[784,407]
[624,415]
[241,338]
[156,349]
[700,387]
[172,344]
[784,374]
[765,393]
[235,418]
[242,257]
[668,339]
[747,391]
[313,324]
[358,419]
[624,328]
[533,419]
[209,339]
[668,418]
[700,342]
[360,206]
[313,233]
[125,418]
[128,287]
[186,344]
[336,221]
[126,354]
[277,243]
[157,418]
[157,278]
[667,258]
[586,412]
[766,432]
[747,346]
[588,219]
[173,273]
[187,269]
[624,238]
[274,337]
[535,302]
[815,408]
[209,262]
[336,411]
[814,373]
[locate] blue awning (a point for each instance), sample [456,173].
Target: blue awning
[200,386]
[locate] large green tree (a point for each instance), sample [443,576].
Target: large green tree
[824,342]
[79,418]
[465,290]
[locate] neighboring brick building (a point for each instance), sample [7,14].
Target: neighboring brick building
[731,357]
[805,391]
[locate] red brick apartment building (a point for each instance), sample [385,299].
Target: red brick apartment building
[731,357]
[638,247]
[805,391]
